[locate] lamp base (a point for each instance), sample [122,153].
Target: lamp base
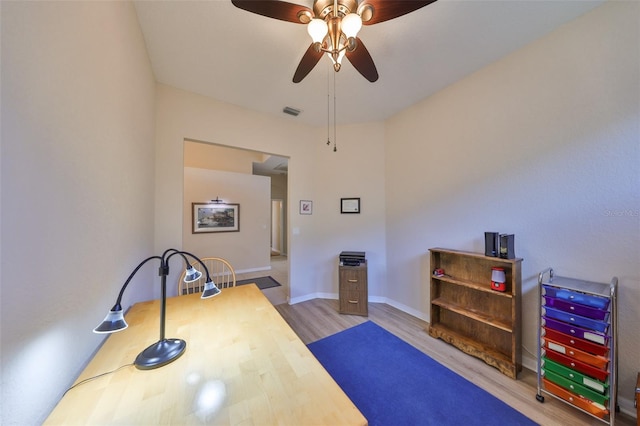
[160,353]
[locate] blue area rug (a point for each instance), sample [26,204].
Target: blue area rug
[394,384]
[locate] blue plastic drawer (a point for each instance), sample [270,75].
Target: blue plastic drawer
[575,319]
[580,333]
[576,297]
[574,308]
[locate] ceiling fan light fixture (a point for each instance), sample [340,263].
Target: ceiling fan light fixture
[317,29]
[365,10]
[305,16]
[351,24]
[333,26]
[336,57]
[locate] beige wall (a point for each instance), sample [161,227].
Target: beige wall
[543,144]
[215,157]
[77,189]
[315,173]
[223,158]
[248,249]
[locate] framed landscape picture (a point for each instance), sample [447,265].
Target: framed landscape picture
[214,217]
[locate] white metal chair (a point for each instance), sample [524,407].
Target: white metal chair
[220,271]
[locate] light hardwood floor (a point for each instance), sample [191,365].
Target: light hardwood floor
[318,318]
[280,272]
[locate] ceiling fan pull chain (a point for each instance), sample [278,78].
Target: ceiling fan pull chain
[328,114]
[334,113]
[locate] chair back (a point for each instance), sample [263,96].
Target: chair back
[220,271]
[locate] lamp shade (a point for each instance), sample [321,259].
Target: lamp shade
[192,275]
[351,24]
[114,321]
[317,29]
[498,279]
[497,275]
[210,290]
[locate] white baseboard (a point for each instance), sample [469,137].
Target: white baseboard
[246,271]
[313,296]
[400,306]
[372,299]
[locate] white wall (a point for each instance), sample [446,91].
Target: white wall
[543,144]
[315,173]
[216,157]
[77,188]
[248,249]
[355,170]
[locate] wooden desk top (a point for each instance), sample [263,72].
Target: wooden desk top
[243,365]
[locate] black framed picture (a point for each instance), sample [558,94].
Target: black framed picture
[350,205]
[215,217]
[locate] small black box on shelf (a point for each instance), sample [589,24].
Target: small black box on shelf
[491,244]
[507,246]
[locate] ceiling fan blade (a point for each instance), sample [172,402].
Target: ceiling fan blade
[384,10]
[274,9]
[362,61]
[308,61]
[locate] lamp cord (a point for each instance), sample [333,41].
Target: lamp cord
[96,377]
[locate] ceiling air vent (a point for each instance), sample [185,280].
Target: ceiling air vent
[291,111]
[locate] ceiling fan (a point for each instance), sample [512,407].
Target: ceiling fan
[333,26]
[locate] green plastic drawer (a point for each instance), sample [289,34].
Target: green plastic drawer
[575,376]
[576,388]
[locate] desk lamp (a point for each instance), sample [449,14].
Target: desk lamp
[164,350]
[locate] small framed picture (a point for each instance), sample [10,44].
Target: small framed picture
[306,207]
[349,205]
[214,217]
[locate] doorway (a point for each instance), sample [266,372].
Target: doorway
[277,228]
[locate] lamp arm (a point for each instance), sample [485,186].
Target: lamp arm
[126,283]
[206,270]
[166,261]
[168,251]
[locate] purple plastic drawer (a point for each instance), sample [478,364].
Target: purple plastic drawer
[580,333]
[574,308]
[575,319]
[576,297]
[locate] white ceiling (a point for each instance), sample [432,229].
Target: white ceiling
[215,49]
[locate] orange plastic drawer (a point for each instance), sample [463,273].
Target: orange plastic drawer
[584,345]
[571,352]
[580,402]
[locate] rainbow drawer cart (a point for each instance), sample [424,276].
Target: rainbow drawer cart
[577,344]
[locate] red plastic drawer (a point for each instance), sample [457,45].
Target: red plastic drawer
[595,360]
[581,344]
[577,309]
[578,365]
[589,406]
[583,379]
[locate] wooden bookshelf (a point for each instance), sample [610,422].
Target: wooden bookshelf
[467,313]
